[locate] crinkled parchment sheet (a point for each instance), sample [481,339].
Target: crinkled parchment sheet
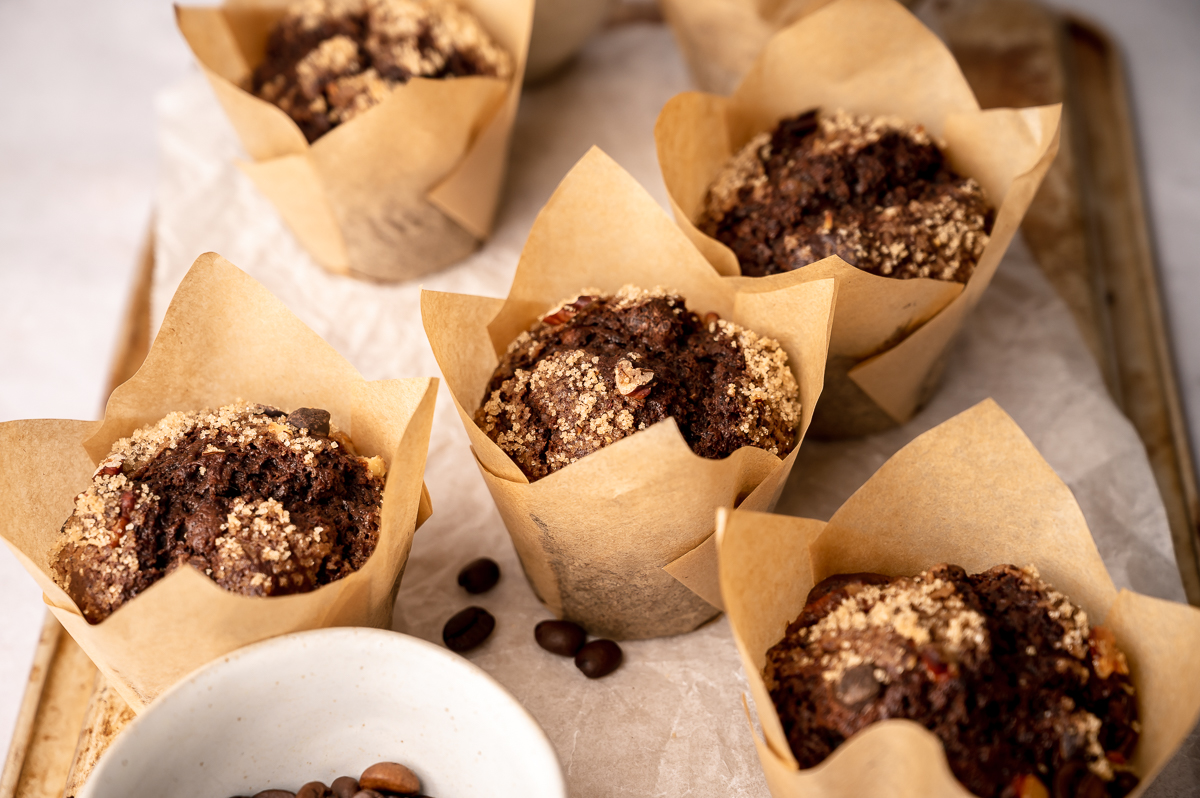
[670,721]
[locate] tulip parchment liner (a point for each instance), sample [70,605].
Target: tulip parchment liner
[890,336]
[404,189]
[973,492]
[721,38]
[224,338]
[612,540]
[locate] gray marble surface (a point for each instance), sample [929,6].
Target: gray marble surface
[77,180]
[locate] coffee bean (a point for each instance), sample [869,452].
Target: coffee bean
[390,777]
[479,576]
[560,637]
[314,789]
[274,794]
[344,787]
[598,658]
[468,629]
[315,420]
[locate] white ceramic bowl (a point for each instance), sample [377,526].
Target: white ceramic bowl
[327,703]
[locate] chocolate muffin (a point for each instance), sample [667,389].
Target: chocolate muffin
[1027,698]
[263,502]
[599,368]
[327,61]
[874,191]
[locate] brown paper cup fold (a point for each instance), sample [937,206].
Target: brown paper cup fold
[720,39]
[890,336]
[402,190]
[620,541]
[972,492]
[224,338]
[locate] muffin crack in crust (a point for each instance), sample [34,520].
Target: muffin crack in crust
[875,191]
[327,61]
[598,368]
[1004,669]
[262,502]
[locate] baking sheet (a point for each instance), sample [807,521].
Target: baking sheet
[670,722]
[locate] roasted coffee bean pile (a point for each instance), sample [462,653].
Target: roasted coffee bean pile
[595,659]
[469,628]
[378,781]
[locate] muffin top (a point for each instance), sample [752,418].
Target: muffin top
[327,61]
[876,191]
[1005,670]
[261,501]
[598,368]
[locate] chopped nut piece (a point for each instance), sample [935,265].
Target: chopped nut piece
[1106,657]
[629,379]
[376,466]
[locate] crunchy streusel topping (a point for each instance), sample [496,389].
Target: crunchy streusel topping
[247,494]
[922,611]
[329,60]
[599,368]
[873,190]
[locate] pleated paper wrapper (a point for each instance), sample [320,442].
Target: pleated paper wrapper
[720,39]
[224,338]
[620,541]
[972,492]
[405,188]
[890,336]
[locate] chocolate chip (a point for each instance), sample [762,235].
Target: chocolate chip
[390,777]
[344,787]
[598,658]
[268,411]
[858,685]
[314,789]
[468,629]
[560,637]
[479,576]
[313,419]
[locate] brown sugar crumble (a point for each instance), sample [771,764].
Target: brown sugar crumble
[263,502]
[1027,698]
[598,368]
[875,191]
[327,61]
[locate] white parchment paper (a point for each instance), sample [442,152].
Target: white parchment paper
[670,721]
